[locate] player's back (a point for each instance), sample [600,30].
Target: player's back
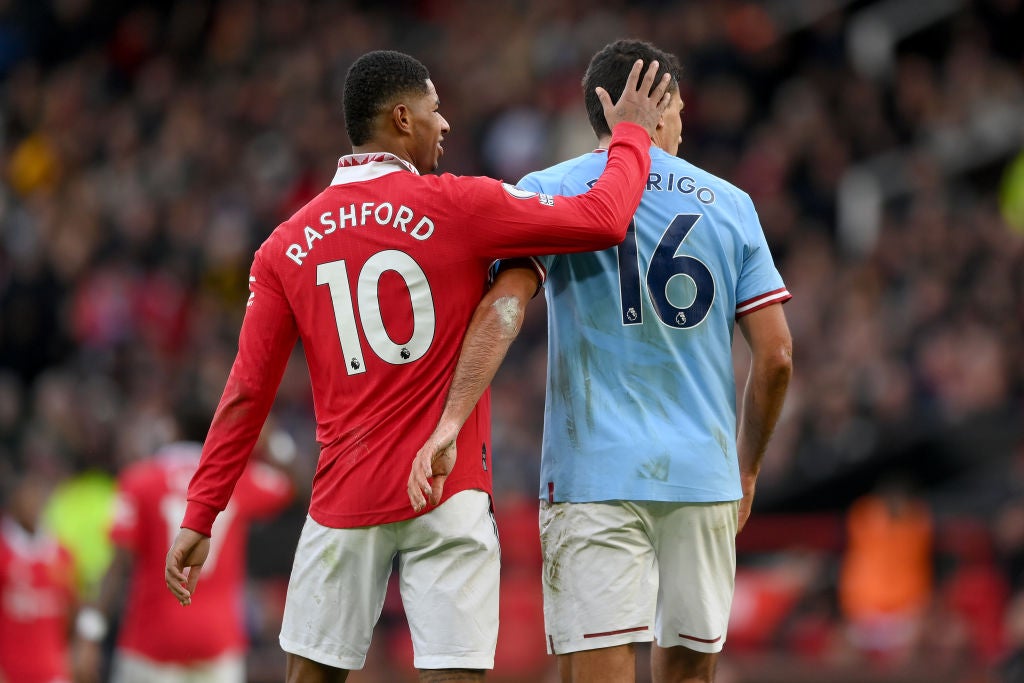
[150,505]
[641,395]
[381,279]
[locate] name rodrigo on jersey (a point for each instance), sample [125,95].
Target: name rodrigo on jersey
[355,215]
[672,183]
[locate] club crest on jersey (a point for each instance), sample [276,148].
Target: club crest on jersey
[545,199]
[517,193]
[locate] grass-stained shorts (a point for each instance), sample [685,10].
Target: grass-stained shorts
[448,563]
[621,572]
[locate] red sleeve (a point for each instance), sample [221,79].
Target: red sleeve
[511,222]
[265,343]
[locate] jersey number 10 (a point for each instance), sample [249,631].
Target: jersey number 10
[664,266]
[335,275]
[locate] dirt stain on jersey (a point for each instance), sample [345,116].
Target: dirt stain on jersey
[722,442]
[562,379]
[656,468]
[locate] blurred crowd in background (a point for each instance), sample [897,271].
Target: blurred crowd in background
[147,149]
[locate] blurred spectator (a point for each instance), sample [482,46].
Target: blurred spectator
[885,582]
[146,150]
[1011,194]
[37,589]
[79,513]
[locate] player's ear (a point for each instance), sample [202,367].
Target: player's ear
[401,117]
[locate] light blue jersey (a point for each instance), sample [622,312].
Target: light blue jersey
[641,398]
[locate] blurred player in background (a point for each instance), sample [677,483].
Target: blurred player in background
[38,624]
[379,276]
[205,644]
[644,483]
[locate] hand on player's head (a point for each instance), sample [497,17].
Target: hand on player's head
[642,101]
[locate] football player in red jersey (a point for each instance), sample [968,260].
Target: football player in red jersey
[207,643]
[378,276]
[37,589]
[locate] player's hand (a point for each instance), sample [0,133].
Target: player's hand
[749,483]
[643,106]
[431,466]
[184,562]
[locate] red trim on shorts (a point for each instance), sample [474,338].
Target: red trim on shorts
[621,630]
[700,640]
[551,492]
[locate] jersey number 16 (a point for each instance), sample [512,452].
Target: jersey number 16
[664,266]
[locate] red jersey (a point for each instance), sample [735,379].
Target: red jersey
[37,598]
[378,276]
[150,505]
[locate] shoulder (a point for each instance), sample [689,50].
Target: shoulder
[442,191]
[717,196]
[662,160]
[553,178]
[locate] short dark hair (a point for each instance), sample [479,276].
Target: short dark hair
[610,67]
[374,81]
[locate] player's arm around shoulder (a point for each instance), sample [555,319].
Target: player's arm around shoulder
[771,367]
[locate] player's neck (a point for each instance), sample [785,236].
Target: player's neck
[604,141]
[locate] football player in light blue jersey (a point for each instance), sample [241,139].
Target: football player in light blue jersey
[645,476]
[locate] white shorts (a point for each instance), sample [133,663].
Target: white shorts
[448,568]
[129,667]
[622,572]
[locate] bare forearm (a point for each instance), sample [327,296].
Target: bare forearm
[494,326]
[771,346]
[491,332]
[763,399]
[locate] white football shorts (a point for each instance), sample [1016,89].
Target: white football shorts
[622,572]
[129,667]
[448,563]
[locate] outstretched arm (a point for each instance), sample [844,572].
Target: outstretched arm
[771,365]
[492,329]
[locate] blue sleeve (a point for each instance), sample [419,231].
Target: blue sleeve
[758,274]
